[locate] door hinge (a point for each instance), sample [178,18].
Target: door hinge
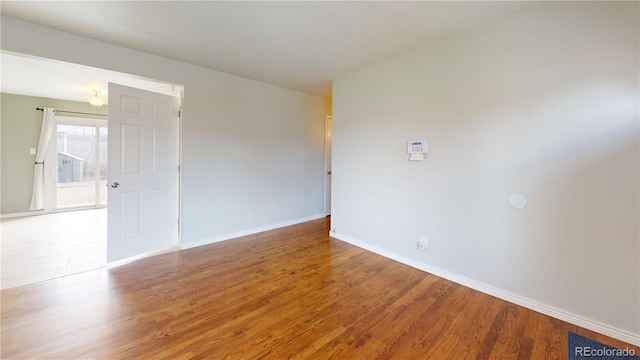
[178,168]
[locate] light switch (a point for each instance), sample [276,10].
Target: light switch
[32,151]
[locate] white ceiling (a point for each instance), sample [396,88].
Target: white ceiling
[296,45]
[27,75]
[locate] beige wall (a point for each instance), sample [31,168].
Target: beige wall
[20,124]
[543,102]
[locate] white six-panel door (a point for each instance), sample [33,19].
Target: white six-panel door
[142,172]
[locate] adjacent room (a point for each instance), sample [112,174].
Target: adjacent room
[443,180]
[72,193]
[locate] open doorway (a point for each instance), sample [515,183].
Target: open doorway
[327,161]
[59,242]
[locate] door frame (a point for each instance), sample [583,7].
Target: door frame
[328,151]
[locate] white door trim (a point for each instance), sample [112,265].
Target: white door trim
[328,143]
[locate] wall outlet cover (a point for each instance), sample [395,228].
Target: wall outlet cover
[422,243]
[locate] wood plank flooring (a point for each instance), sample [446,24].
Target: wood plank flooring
[291,293]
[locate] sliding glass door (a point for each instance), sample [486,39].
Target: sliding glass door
[81,163]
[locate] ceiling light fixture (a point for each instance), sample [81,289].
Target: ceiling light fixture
[95,100]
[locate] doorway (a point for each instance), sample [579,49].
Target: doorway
[327,161]
[78,178]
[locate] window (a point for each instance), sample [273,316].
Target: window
[81,155]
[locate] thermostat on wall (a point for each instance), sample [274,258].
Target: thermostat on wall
[417,149]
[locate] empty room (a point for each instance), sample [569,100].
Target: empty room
[345,180]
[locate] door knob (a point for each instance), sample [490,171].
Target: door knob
[115,184]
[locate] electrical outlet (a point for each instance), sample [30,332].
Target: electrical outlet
[250,214]
[422,243]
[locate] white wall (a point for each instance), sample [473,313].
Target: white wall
[543,102]
[246,145]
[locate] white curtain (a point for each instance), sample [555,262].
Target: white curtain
[48,123]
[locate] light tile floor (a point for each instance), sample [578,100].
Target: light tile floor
[44,247]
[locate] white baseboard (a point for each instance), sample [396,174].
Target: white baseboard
[23,214]
[117,263]
[560,314]
[238,234]
[47,212]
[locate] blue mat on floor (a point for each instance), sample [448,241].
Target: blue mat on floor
[581,348]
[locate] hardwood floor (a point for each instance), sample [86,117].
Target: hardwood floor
[291,293]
